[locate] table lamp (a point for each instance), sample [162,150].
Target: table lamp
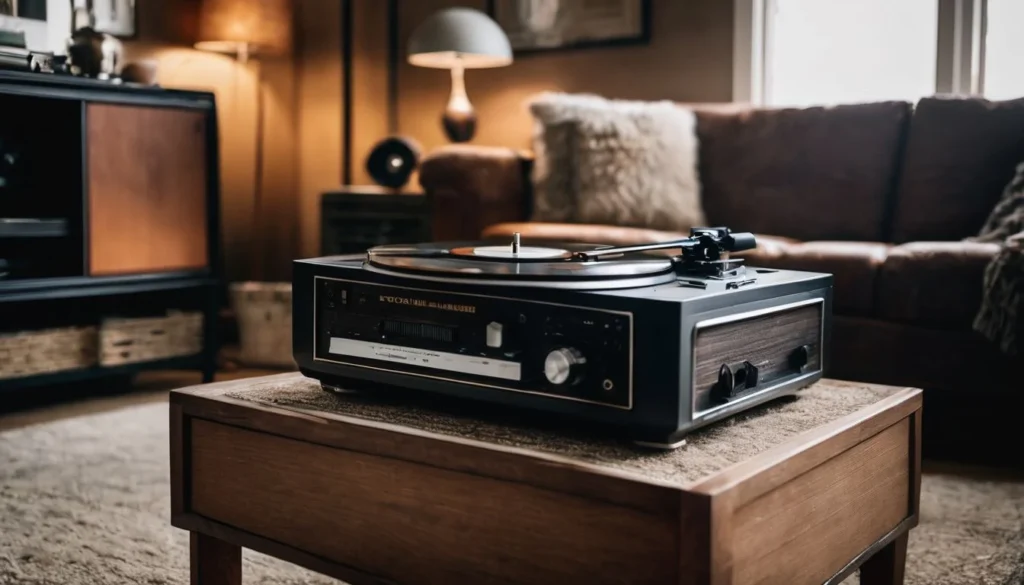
[245,29]
[458,39]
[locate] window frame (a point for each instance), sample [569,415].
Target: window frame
[960,55]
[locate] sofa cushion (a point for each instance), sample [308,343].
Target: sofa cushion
[960,154]
[934,284]
[853,265]
[618,162]
[821,173]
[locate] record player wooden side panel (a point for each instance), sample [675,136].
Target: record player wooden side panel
[765,340]
[147,189]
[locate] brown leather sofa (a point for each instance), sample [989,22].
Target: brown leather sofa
[881,195]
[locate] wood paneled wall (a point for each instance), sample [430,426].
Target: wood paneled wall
[254,247]
[319,113]
[689,58]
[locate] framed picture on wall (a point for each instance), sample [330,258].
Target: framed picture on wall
[23,24]
[115,17]
[31,9]
[538,25]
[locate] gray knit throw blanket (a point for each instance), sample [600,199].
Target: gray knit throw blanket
[1001,317]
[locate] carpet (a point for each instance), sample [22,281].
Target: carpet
[86,501]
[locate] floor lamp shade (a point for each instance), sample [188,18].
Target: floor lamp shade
[459,39]
[245,26]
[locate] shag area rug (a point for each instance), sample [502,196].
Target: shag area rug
[86,501]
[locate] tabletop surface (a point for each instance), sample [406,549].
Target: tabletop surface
[706,452]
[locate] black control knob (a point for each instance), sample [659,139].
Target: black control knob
[800,357]
[564,366]
[734,380]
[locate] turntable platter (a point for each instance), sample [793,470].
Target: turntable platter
[526,266]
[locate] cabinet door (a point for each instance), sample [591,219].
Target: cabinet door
[147,189]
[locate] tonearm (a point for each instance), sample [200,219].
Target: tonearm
[700,254]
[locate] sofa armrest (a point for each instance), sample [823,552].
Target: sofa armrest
[472,187]
[935,284]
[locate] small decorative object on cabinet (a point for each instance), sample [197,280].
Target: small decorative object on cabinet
[92,53]
[392,161]
[357,218]
[109,229]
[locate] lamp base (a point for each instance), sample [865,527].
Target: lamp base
[459,125]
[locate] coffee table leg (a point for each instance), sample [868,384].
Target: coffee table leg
[214,562]
[886,566]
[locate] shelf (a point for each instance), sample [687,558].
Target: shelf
[193,362]
[76,88]
[32,228]
[89,228]
[84,286]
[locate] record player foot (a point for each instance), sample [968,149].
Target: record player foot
[667,445]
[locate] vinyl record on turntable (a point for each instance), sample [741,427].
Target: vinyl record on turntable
[519,266]
[392,161]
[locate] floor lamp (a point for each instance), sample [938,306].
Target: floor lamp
[248,29]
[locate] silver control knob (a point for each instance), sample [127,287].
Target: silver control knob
[563,365]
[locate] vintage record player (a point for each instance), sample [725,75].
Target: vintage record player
[653,340]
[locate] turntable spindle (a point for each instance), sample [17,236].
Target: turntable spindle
[515,243]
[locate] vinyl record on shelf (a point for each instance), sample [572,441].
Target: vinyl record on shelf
[392,161]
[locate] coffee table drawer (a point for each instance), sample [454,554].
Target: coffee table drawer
[415,523]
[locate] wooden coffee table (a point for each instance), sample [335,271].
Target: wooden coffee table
[805,491]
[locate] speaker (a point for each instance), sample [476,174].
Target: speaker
[392,161]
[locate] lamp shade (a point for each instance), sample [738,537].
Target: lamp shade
[459,36]
[245,26]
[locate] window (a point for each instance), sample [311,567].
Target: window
[1004,50]
[827,51]
[804,52]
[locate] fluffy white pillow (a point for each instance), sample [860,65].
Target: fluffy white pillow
[615,162]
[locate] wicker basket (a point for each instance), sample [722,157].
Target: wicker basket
[264,312]
[46,351]
[129,341]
